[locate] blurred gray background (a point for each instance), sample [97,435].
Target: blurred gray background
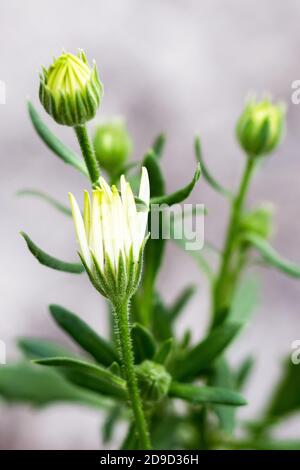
[175,66]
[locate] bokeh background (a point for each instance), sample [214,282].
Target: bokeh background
[175,66]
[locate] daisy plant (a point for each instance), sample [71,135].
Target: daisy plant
[146,365]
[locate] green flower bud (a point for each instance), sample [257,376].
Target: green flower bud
[112,145]
[70,90]
[260,127]
[154,381]
[259,221]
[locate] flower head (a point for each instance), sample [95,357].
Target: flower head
[70,90]
[111,236]
[260,127]
[112,145]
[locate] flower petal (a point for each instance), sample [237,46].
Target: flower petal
[80,231]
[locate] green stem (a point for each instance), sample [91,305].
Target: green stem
[122,320]
[222,288]
[88,153]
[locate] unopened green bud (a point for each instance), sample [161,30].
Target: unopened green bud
[70,90]
[112,145]
[154,381]
[260,127]
[259,221]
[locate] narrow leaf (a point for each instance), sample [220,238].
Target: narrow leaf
[144,346]
[204,353]
[35,348]
[38,386]
[206,174]
[45,197]
[55,144]
[159,145]
[199,395]
[164,351]
[245,300]
[50,261]
[88,375]
[272,257]
[181,194]
[84,335]
[181,301]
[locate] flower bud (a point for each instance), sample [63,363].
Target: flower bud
[260,127]
[112,145]
[70,90]
[154,381]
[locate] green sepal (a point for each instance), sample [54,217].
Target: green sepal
[50,261]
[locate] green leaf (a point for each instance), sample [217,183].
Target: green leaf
[45,197]
[35,348]
[154,250]
[159,145]
[161,320]
[87,375]
[55,144]
[245,300]
[272,257]
[28,383]
[206,174]
[164,351]
[199,395]
[110,423]
[243,372]
[204,353]
[82,333]
[181,301]
[144,346]
[181,194]
[222,376]
[286,398]
[49,261]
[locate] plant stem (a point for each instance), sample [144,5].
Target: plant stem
[124,339]
[222,289]
[88,153]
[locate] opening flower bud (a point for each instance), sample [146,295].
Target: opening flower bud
[70,90]
[154,381]
[111,236]
[113,146]
[260,127]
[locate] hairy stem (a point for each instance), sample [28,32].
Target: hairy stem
[124,339]
[222,289]
[88,153]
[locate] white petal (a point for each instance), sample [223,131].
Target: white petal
[96,239]
[106,188]
[80,231]
[144,195]
[132,221]
[87,213]
[106,224]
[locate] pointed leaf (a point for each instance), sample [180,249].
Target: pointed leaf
[181,194]
[38,386]
[204,353]
[50,261]
[272,257]
[206,174]
[45,197]
[84,335]
[181,301]
[245,300]
[199,395]
[163,351]
[35,348]
[88,375]
[55,144]
[144,346]
[159,145]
